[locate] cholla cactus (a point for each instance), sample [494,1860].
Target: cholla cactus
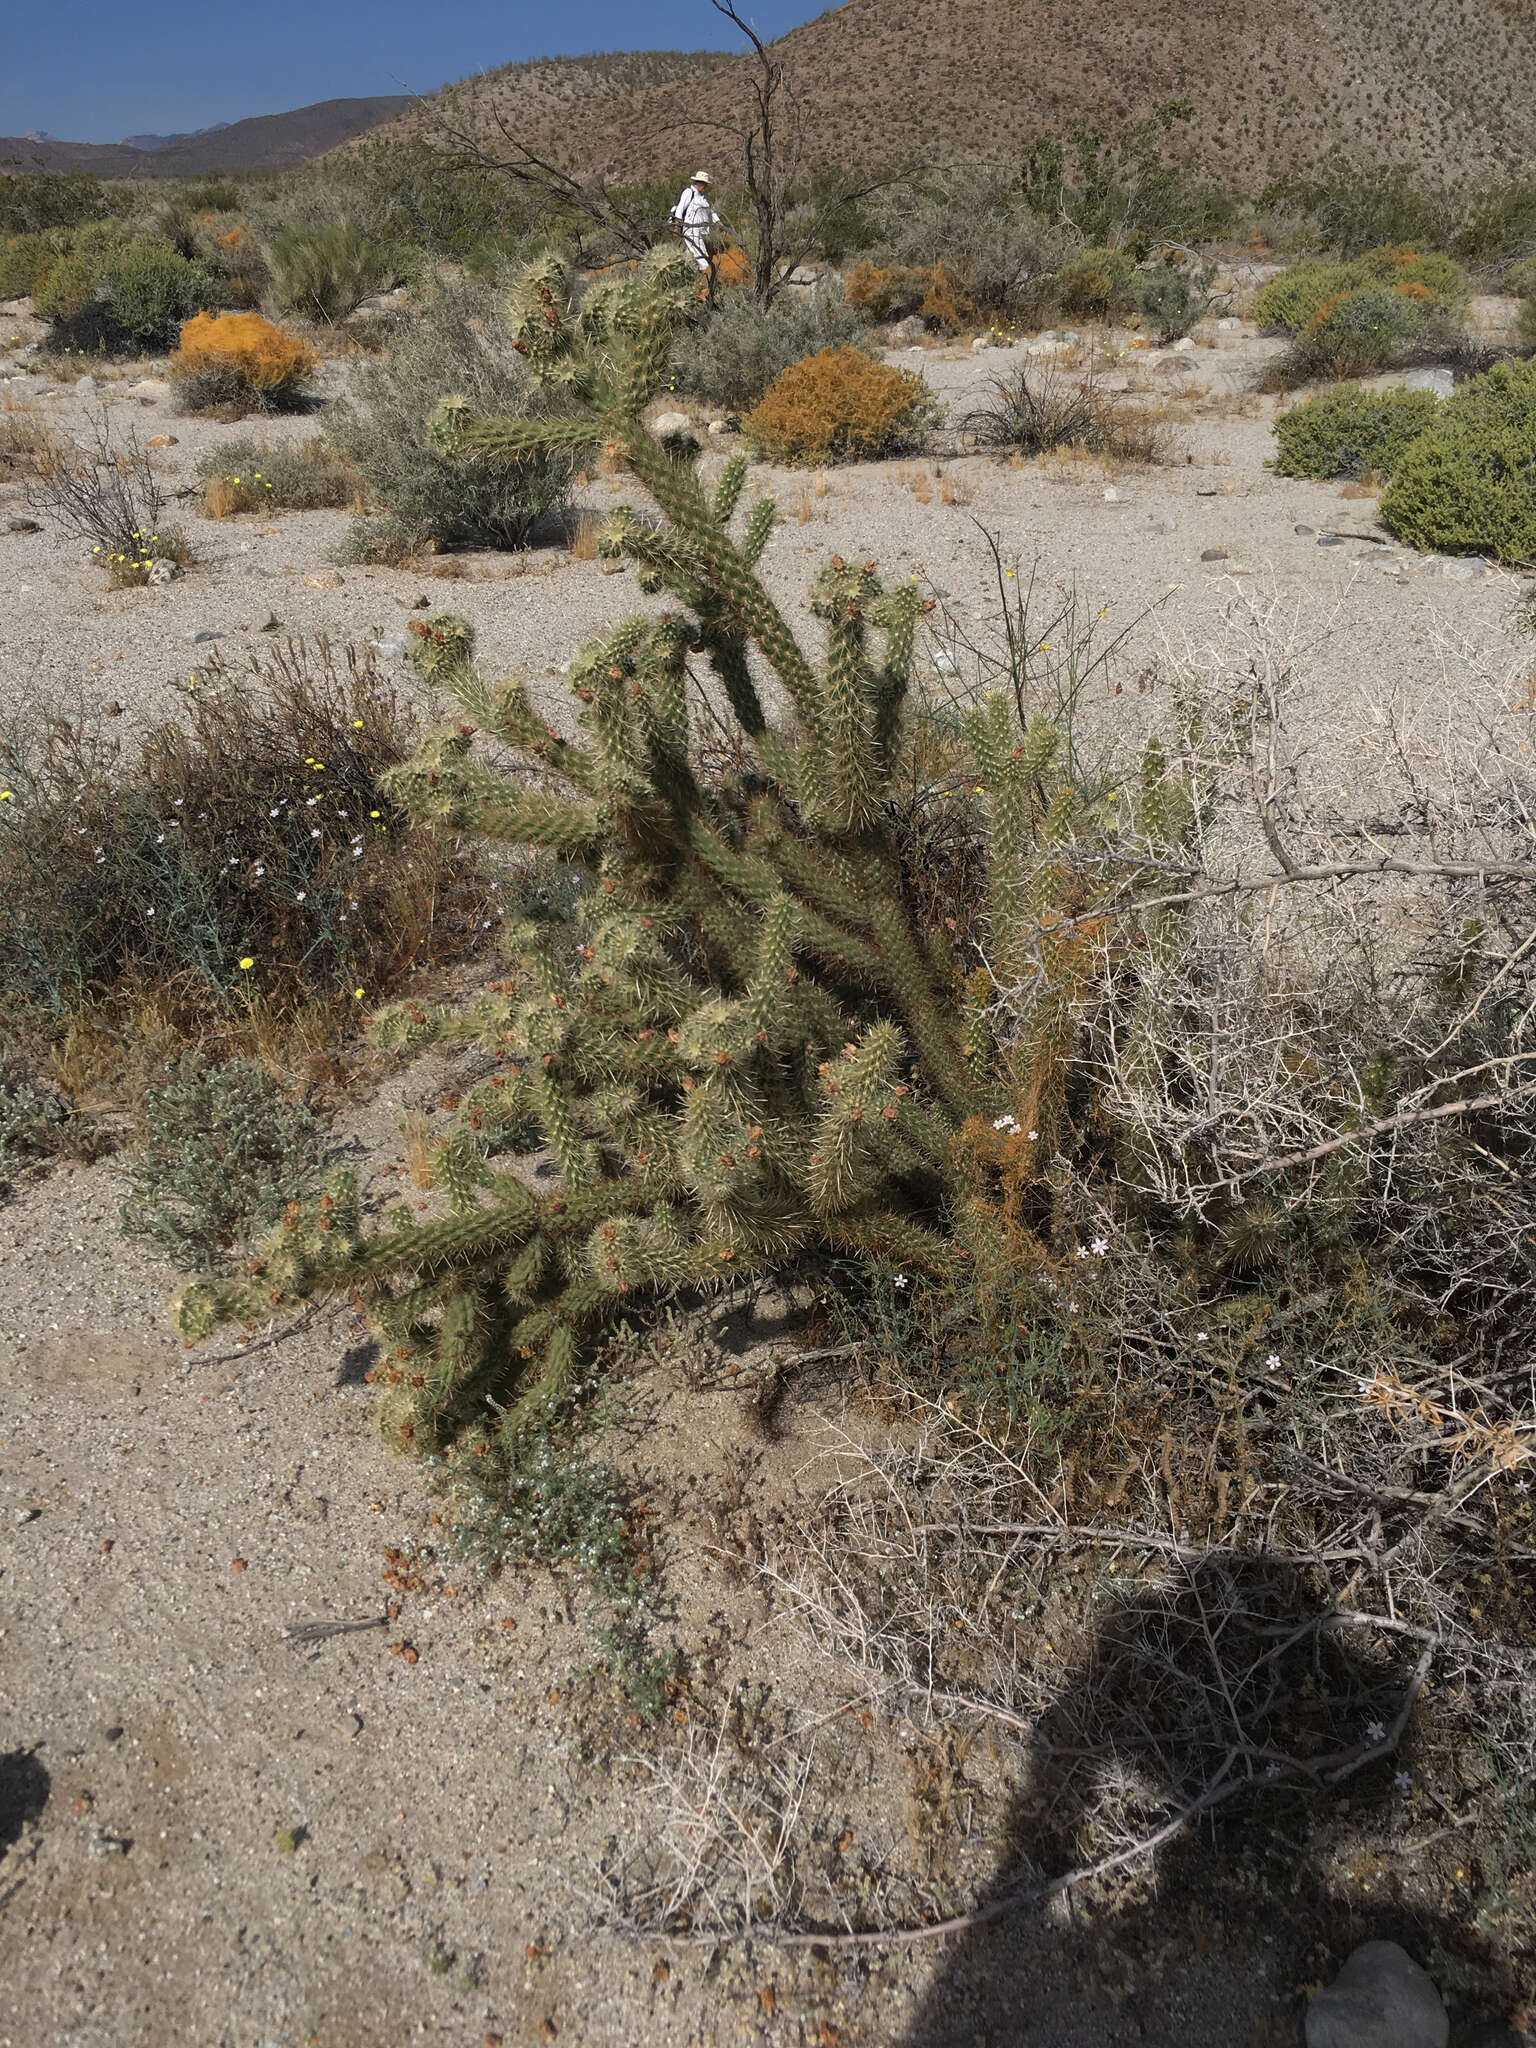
[740,1047]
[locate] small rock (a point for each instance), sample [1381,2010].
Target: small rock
[670,423]
[353,1724]
[719,426]
[324,579]
[1162,525]
[270,624]
[392,647]
[945,663]
[1229,324]
[908,330]
[1114,497]
[111,709]
[1306,530]
[1209,491]
[25,1515]
[23,526]
[1213,554]
[86,387]
[613,568]
[163,570]
[1380,1999]
[150,388]
[1330,540]
[114,1733]
[1183,346]
[1462,571]
[980,341]
[1441,382]
[110,1845]
[161,441]
[202,638]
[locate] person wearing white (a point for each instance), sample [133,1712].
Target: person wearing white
[693,217]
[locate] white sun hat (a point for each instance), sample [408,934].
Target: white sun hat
[701,178]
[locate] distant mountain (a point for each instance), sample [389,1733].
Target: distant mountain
[268,142]
[150,142]
[1281,88]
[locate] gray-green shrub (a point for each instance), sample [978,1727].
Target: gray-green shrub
[227,1151]
[460,342]
[732,359]
[1351,432]
[325,273]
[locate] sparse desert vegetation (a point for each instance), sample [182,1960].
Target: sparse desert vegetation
[890,1045]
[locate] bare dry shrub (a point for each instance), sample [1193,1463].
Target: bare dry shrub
[1040,408]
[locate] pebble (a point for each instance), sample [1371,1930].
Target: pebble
[199,639]
[1330,540]
[1213,554]
[392,647]
[109,1845]
[161,441]
[85,386]
[1380,1999]
[25,1515]
[163,570]
[23,526]
[270,623]
[719,426]
[1306,529]
[945,664]
[112,708]
[1114,497]
[353,1724]
[324,579]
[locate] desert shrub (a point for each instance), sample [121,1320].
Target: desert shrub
[461,341]
[1468,484]
[324,273]
[105,494]
[939,294]
[235,257]
[1097,284]
[1169,300]
[972,223]
[30,1121]
[145,285]
[35,201]
[838,406]
[241,361]
[1293,301]
[1497,223]
[24,263]
[731,359]
[1038,408]
[1359,334]
[256,831]
[255,476]
[226,1151]
[70,282]
[1360,210]
[1349,432]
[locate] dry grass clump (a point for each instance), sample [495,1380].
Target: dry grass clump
[240,361]
[242,862]
[1039,409]
[255,476]
[838,406]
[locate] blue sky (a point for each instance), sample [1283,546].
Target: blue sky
[96,70]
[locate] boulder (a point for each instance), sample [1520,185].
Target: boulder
[164,570]
[150,389]
[1441,382]
[324,579]
[669,423]
[905,331]
[1380,1999]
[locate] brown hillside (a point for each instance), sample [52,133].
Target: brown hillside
[266,142]
[1283,87]
[540,97]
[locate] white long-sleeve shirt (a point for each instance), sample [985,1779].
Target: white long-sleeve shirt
[693,212]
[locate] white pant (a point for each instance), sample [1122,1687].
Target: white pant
[696,242]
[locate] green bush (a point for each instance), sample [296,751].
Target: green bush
[29,1122]
[733,358]
[1295,299]
[1349,432]
[1097,284]
[978,224]
[38,200]
[151,290]
[1468,485]
[227,1151]
[1170,300]
[325,273]
[459,342]
[1359,335]
[24,262]
[246,475]
[70,284]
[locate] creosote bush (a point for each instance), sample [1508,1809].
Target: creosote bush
[226,1151]
[1292,301]
[242,362]
[839,405]
[1351,432]
[324,273]
[1468,483]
